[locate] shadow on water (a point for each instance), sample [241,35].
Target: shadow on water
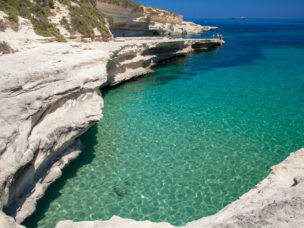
[235,53]
[176,73]
[89,139]
[105,91]
[214,57]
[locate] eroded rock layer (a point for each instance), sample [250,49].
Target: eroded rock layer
[50,95]
[139,20]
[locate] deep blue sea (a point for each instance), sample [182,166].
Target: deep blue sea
[187,140]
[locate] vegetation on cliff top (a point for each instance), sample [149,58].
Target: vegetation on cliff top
[84,16]
[125,3]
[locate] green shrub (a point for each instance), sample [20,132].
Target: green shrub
[60,37]
[110,20]
[83,40]
[46,3]
[64,22]
[66,2]
[126,3]
[43,28]
[15,8]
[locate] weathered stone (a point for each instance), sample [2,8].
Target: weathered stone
[148,21]
[50,95]
[8,222]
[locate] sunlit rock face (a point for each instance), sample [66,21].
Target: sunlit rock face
[147,21]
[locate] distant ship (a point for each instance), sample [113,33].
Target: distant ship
[239,18]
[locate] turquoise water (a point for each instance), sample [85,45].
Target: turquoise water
[192,137]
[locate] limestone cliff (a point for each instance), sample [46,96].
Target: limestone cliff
[50,95]
[68,19]
[132,19]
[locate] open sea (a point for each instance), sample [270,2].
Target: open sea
[187,140]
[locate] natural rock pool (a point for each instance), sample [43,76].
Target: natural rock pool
[191,138]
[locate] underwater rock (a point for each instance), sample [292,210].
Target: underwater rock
[121,189]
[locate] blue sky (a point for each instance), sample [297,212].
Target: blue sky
[231,8]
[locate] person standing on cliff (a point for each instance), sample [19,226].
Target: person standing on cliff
[213,36]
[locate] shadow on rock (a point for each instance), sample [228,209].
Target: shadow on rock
[89,140]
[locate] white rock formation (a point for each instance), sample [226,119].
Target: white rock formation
[47,102]
[150,21]
[8,222]
[19,35]
[50,95]
[178,29]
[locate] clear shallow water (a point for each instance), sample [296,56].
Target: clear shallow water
[192,137]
